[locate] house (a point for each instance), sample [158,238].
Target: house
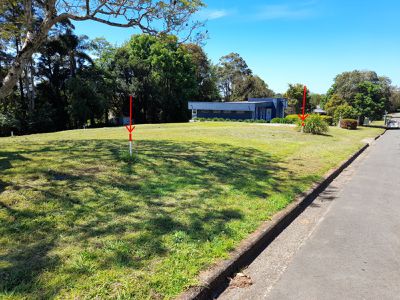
[253,109]
[319,111]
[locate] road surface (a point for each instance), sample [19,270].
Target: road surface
[346,245]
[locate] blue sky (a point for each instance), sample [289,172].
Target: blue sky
[306,42]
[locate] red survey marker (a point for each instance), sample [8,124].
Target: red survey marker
[130,128]
[303,116]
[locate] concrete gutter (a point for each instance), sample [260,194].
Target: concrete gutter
[216,279]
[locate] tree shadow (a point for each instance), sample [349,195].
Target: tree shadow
[123,213]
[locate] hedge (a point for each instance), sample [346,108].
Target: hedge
[292,119]
[348,124]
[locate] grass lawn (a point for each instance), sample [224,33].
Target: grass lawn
[78,220]
[378,123]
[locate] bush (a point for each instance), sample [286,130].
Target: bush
[348,124]
[278,120]
[328,119]
[8,123]
[292,119]
[314,124]
[344,111]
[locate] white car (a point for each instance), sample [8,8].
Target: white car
[393,123]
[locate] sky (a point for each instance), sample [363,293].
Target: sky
[307,42]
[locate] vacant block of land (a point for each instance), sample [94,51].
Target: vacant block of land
[79,220]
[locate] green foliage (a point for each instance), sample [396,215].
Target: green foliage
[236,81]
[206,77]
[251,87]
[281,121]
[292,119]
[345,111]
[328,120]
[294,94]
[314,124]
[365,91]
[333,103]
[370,101]
[277,120]
[346,84]
[41,119]
[231,70]
[348,124]
[8,123]
[395,99]
[161,76]
[317,100]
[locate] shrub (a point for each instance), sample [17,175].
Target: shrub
[8,123]
[348,124]
[314,124]
[328,119]
[344,111]
[278,120]
[292,119]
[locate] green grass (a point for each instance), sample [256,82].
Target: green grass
[378,123]
[79,220]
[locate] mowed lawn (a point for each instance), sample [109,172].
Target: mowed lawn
[79,220]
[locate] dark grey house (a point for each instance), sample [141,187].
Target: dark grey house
[254,109]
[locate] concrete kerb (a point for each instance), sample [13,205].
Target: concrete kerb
[216,279]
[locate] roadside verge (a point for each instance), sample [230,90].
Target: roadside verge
[216,279]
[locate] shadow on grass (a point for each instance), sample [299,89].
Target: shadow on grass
[121,213]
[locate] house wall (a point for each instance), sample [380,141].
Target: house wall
[234,115]
[255,108]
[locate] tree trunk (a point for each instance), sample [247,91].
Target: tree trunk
[32,42]
[32,79]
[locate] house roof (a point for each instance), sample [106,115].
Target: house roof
[249,105]
[319,110]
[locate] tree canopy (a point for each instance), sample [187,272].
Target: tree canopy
[31,21]
[294,94]
[364,91]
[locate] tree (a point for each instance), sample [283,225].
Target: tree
[346,85]
[251,87]
[206,76]
[294,94]
[344,111]
[160,73]
[39,17]
[394,98]
[317,100]
[232,70]
[334,101]
[370,101]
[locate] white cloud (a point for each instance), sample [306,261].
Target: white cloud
[213,14]
[285,11]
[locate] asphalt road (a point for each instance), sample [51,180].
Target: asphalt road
[346,245]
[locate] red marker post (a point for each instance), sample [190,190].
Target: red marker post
[130,128]
[303,116]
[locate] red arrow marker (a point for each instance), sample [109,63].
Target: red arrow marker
[130,128]
[303,116]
